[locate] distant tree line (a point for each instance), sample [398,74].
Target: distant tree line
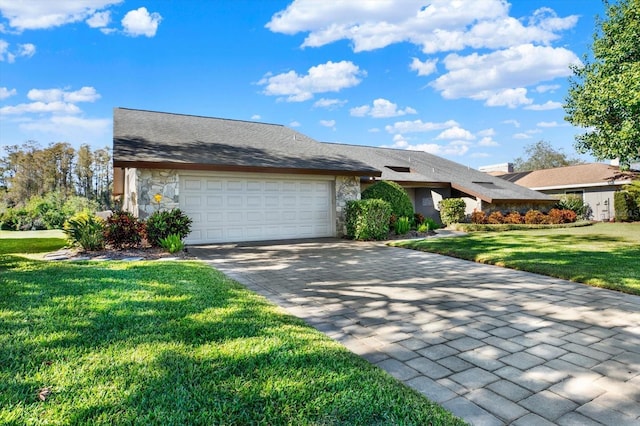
[35,182]
[541,155]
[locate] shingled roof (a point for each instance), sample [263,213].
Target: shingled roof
[419,168]
[147,139]
[581,175]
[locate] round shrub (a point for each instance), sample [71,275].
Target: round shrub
[514,218]
[478,216]
[452,210]
[163,223]
[368,219]
[85,230]
[495,218]
[534,217]
[393,194]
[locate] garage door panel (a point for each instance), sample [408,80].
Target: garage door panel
[229,209]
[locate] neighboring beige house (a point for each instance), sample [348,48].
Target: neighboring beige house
[247,181]
[594,182]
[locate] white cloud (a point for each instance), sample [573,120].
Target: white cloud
[40,107]
[441,25]
[256,117]
[42,14]
[23,50]
[453,148]
[381,108]
[140,22]
[85,94]
[5,93]
[515,123]
[418,126]
[374,130]
[423,68]
[545,106]
[500,77]
[329,77]
[486,132]
[295,124]
[328,123]
[487,141]
[329,103]
[549,124]
[99,19]
[543,88]
[456,133]
[522,136]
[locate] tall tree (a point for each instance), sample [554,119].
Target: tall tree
[604,93]
[84,171]
[541,155]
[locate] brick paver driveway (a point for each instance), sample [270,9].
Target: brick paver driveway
[492,345]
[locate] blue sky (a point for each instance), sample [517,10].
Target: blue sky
[474,81]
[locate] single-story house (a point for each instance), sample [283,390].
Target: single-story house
[594,182]
[249,181]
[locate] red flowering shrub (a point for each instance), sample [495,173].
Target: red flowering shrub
[495,218]
[514,218]
[534,217]
[478,217]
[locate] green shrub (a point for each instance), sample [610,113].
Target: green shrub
[368,219]
[392,193]
[163,223]
[172,243]
[574,203]
[452,210]
[626,209]
[123,230]
[85,230]
[423,228]
[432,224]
[402,225]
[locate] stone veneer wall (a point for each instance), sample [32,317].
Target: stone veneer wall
[157,181]
[347,188]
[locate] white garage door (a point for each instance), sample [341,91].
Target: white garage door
[233,209]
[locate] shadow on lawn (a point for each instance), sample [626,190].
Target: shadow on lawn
[614,268]
[142,349]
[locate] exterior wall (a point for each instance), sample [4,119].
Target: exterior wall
[130,195]
[515,207]
[427,199]
[156,181]
[347,188]
[599,199]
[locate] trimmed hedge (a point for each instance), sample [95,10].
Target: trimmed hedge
[393,194]
[452,210]
[625,206]
[368,219]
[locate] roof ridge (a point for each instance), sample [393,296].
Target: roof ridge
[200,116]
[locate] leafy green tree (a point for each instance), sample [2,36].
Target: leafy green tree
[541,155]
[604,92]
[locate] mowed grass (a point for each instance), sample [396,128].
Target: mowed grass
[24,242]
[175,343]
[603,255]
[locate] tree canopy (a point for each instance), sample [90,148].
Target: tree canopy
[541,155]
[604,92]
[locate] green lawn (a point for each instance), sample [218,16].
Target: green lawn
[603,255]
[25,242]
[175,343]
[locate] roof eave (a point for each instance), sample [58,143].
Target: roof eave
[245,169]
